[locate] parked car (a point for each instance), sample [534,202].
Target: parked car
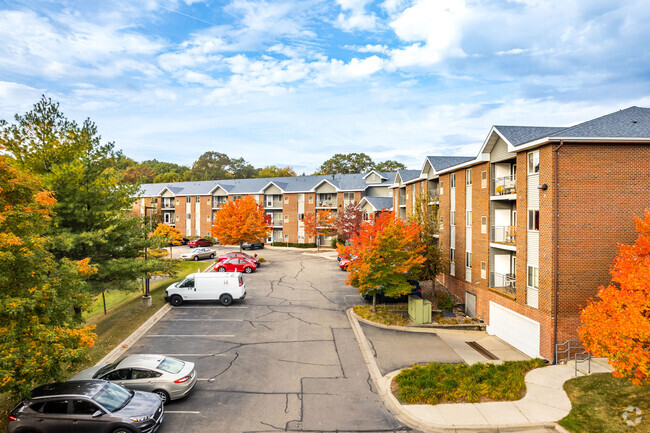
[168,377]
[87,406]
[343,264]
[210,286]
[184,241]
[415,290]
[253,258]
[199,243]
[236,264]
[252,245]
[199,253]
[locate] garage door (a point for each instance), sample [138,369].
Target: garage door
[515,329]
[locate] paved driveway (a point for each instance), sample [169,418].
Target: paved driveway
[284,359]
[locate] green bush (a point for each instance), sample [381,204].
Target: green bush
[284,244]
[438,383]
[444,302]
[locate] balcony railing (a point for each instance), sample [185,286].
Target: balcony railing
[218,204]
[168,206]
[434,197]
[504,185]
[503,282]
[504,234]
[273,204]
[402,199]
[326,203]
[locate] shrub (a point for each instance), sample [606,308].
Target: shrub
[284,244]
[444,302]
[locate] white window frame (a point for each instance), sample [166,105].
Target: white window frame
[468,218]
[468,259]
[483,270]
[533,162]
[484,179]
[533,220]
[483,224]
[468,177]
[452,180]
[452,217]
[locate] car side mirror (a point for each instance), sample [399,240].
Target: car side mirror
[98,413]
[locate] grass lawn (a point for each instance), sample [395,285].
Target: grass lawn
[599,401]
[459,383]
[119,323]
[384,314]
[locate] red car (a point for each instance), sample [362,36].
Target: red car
[235,264]
[244,256]
[343,264]
[199,243]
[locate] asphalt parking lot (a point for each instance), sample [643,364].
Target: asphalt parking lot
[283,359]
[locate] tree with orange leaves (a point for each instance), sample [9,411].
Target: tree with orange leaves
[382,253]
[240,221]
[320,223]
[40,337]
[618,324]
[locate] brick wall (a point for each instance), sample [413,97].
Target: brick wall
[180,214]
[480,241]
[206,211]
[290,210]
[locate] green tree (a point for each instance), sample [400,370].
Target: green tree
[240,169]
[168,177]
[274,171]
[138,174]
[426,215]
[92,213]
[389,166]
[40,338]
[347,163]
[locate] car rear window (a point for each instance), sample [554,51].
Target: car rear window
[171,365]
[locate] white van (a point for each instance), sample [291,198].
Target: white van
[207,286]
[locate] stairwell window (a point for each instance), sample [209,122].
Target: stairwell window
[533,162]
[468,177]
[532,287]
[468,260]
[483,224]
[452,217]
[533,219]
[442,187]
[484,179]
[286,199]
[188,199]
[452,179]
[483,270]
[468,218]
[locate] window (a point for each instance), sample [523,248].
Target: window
[452,255]
[348,196]
[301,216]
[442,222]
[453,180]
[442,188]
[533,277]
[533,219]
[484,179]
[286,218]
[236,197]
[141,374]
[468,260]
[286,199]
[468,176]
[189,216]
[533,162]
[483,270]
[452,217]
[310,199]
[178,202]
[83,407]
[121,374]
[55,406]
[188,199]
[197,199]
[269,201]
[468,218]
[483,224]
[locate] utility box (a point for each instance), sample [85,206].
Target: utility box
[419,310]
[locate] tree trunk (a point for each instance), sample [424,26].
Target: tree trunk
[241,250]
[374,303]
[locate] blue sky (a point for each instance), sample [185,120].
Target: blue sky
[293,82]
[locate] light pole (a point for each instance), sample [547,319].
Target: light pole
[146,299]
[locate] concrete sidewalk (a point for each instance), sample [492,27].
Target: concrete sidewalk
[544,404]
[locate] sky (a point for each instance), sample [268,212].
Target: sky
[292,82]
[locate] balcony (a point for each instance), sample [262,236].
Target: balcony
[326,203]
[217,203]
[275,203]
[168,205]
[434,198]
[504,185]
[503,282]
[402,199]
[506,235]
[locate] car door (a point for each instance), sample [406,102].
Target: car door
[187,289]
[142,379]
[81,413]
[239,265]
[54,416]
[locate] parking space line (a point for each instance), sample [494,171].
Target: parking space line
[187,335]
[201,320]
[195,412]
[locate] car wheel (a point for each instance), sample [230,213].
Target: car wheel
[221,269]
[248,269]
[212,256]
[176,300]
[122,430]
[163,395]
[225,299]
[196,258]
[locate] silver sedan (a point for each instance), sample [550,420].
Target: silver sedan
[199,253]
[168,377]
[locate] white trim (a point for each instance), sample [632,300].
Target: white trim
[503,246]
[548,140]
[466,164]
[261,191]
[417,179]
[317,185]
[163,190]
[217,186]
[377,173]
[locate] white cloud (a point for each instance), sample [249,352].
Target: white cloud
[354,16]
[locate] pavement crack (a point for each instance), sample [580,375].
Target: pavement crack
[370,384]
[338,355]
[307,363]
[211,379]
[272,426]
[286,403]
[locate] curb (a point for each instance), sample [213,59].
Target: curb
[135,336]
[418,328]
[383,383]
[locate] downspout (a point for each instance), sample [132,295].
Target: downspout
[556,271]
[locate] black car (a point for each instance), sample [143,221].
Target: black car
[252,245]
[415,290]
[87,406]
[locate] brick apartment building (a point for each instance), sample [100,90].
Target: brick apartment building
[189,206]
[531,224]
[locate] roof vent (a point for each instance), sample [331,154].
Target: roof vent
[634,121]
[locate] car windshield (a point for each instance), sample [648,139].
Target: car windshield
[195,250]
[113,397]
[171,365]
[105,369]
